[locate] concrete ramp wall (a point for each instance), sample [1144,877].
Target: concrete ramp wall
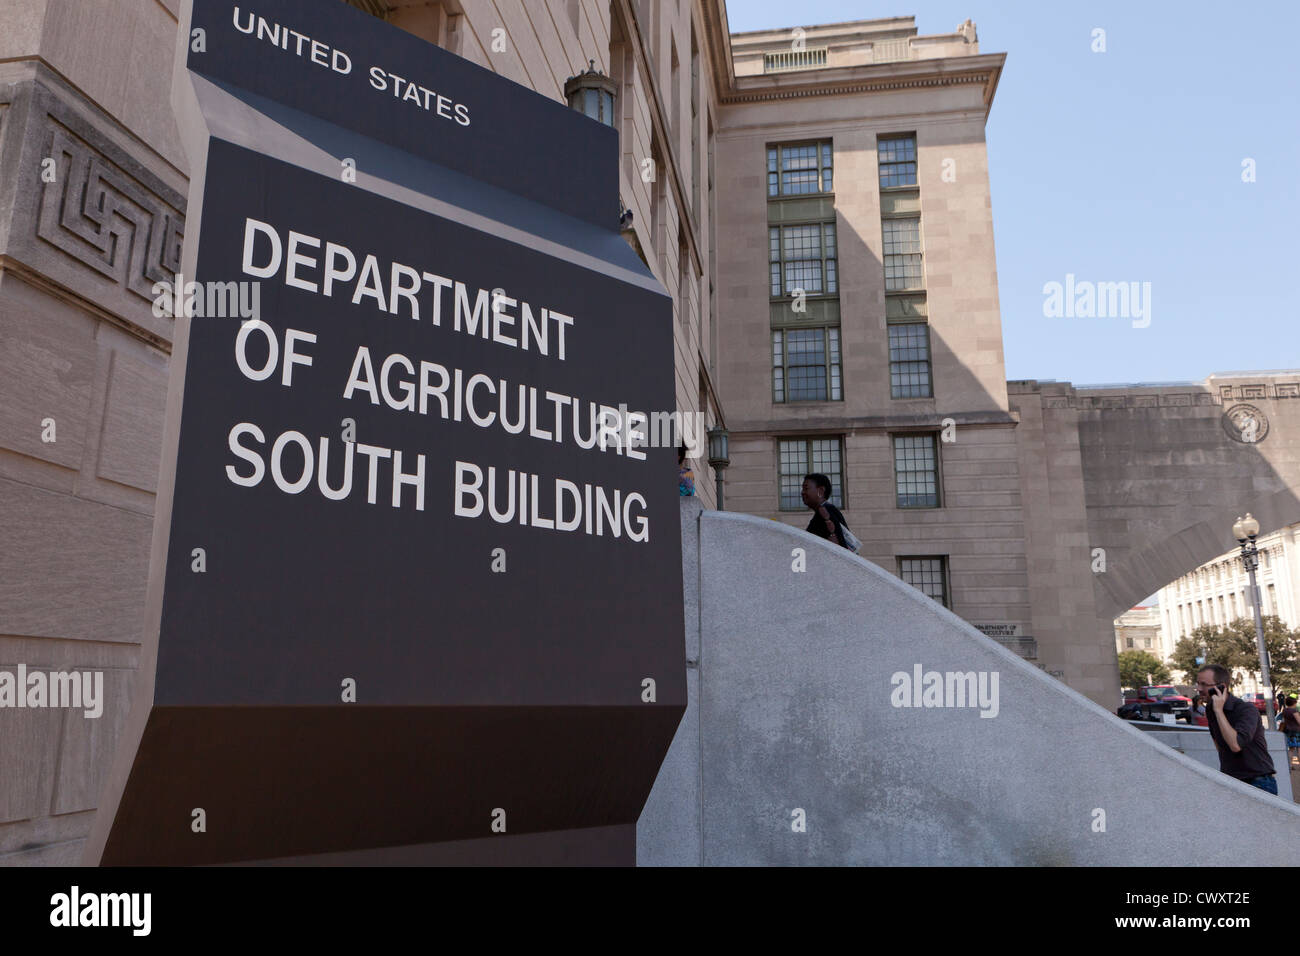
[794,749]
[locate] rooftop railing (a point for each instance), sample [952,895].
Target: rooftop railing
[784,60]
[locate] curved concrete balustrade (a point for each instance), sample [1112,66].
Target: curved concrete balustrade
[792,708]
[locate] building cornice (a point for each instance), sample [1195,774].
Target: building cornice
[1278,386]
[885,423]
[984,69]
[882,26]
[717,39]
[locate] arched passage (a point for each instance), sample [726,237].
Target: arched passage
[1127,488]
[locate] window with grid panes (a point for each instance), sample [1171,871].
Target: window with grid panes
[896,157]
[799,169]
[927,574]
[806,365]
[916,471]
[802,257]
[909,361]
[805,456]
[902,253]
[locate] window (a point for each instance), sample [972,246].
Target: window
[1146,642]
[805,456]
[685,273]
[897,159]
[909,361]
[902,254]
[806,365]
[927,574]
[697,176]
[799,170]
[802,257]
[1128,643]
[916,471]
[675,117]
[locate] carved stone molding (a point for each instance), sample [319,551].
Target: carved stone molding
[870,86]
[1223,395]
[1259,390]
[109,225]
[1245,424]
[102,217]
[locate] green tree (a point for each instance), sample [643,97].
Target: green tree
[1234,646]
[1208,641]
[1135,666]
[1283,647]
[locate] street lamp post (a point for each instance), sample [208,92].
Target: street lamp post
[1245,530]
[719,456]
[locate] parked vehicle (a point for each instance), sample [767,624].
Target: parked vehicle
[1136,711]
[1259,700]
[1149,702]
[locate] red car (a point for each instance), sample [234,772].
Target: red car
[1259,700]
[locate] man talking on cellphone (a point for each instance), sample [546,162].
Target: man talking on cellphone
[1237,731]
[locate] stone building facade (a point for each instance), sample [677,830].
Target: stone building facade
[92,213]
[1138,629]
[860,326]
[1218,592]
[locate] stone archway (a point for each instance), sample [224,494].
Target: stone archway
[1129,487]
[1146,569]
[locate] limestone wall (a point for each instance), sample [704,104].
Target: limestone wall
[92,200]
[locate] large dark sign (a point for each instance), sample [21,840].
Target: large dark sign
[328,60]
[422,575]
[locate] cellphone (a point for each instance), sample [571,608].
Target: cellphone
[1216,689]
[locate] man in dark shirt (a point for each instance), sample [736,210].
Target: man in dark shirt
[827,522]
[1237,731]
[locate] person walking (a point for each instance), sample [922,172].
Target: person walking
[827,521]
[1290,720]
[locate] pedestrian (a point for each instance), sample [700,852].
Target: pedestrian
[827,521]
[685,476]
[1237,731]
[1291,727]
[1197,713]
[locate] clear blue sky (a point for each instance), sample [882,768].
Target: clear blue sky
[1126,166]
